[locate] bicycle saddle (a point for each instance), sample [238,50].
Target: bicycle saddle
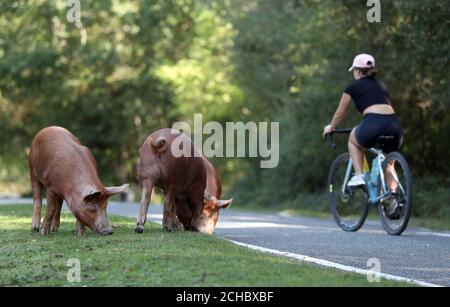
[385,142]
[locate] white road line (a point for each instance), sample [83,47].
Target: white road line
[437,234]
[242,225]
[326,263]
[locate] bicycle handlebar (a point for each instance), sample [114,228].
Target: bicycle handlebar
[343,131]
[329,136]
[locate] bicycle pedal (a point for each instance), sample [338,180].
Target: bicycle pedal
[393,212]
[387,200]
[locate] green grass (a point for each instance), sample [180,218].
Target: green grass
[431,223]
[155,258]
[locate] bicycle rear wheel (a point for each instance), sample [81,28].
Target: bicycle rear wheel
[395,211]
[349,207]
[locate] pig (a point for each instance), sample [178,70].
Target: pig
[184,180]
[212,202]
[68,171]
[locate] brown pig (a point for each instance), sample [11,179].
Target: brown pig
[183,180]
[212,202]
[68,170]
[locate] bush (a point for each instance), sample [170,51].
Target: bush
[431,197]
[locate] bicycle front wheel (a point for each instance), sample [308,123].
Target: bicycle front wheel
[349,206]
[395,211]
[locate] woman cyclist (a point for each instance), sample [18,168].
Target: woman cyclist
[372,100]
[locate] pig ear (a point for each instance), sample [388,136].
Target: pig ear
[93,195]
[223,204]
[116,190]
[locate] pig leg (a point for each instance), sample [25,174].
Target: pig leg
[184,214]
[56,216]
[37,203]
[196,205]
[80,230]
[170,220]
[52,202]
[178,218]
[146,195]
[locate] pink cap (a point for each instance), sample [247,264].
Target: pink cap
[363,61]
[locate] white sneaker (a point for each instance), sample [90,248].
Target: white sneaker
[357,181]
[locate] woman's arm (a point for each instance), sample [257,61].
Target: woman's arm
[341,111]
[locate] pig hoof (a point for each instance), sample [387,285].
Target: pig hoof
[45,232]
[35,228]
[139,229]
[171,228]
[79,233]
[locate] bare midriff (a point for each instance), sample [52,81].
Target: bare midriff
[383,109]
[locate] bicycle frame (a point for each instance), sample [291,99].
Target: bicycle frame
[373,178]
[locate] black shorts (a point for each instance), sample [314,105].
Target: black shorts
[377,125]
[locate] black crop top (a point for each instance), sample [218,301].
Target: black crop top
[367,92]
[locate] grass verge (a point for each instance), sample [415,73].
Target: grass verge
[155,258]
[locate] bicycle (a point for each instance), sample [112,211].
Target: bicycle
[388,186]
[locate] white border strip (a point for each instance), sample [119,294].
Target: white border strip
[334,265]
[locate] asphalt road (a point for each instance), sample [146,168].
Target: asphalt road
[419,254]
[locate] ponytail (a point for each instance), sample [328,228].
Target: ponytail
[369,72]
[372,72]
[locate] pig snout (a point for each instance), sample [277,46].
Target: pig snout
[204,225]
[103,227]
[207,229]
[108,233]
